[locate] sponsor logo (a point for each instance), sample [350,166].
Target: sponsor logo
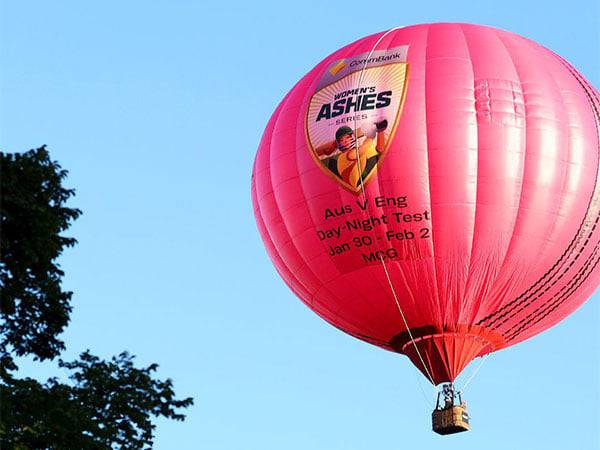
[353,114]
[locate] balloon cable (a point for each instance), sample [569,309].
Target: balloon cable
[483,359]
[360,79]
[412,339]
[362,187]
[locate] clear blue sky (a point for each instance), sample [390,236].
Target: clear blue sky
[137,100]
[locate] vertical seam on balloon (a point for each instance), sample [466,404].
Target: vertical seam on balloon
[431,304]
[488,278]
[257,201]
[480,303]
[284,271]
[570,249]
[449,309]
[260,207]
[273,130]
[441,320]
[396,263]
[291,240]
[450,282]
[380,191]
[525,159]
[471,256]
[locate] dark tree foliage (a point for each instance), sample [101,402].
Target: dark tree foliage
[106,404]
[34,309]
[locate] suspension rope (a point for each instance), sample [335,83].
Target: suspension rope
[428,400]
[360,78]
[412,339]
[483,359]
[364,195]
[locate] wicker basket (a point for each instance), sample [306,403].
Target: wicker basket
[450,420]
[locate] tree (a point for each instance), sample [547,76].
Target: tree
[106,404]
[34,308]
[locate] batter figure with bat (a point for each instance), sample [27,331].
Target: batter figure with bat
[342,157]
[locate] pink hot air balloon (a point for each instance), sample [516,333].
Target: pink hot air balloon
[434,190]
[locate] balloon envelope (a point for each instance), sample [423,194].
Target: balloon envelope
[460,159]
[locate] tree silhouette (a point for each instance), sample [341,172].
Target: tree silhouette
[106,404]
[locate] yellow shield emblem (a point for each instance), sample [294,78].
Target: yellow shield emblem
[353,115]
